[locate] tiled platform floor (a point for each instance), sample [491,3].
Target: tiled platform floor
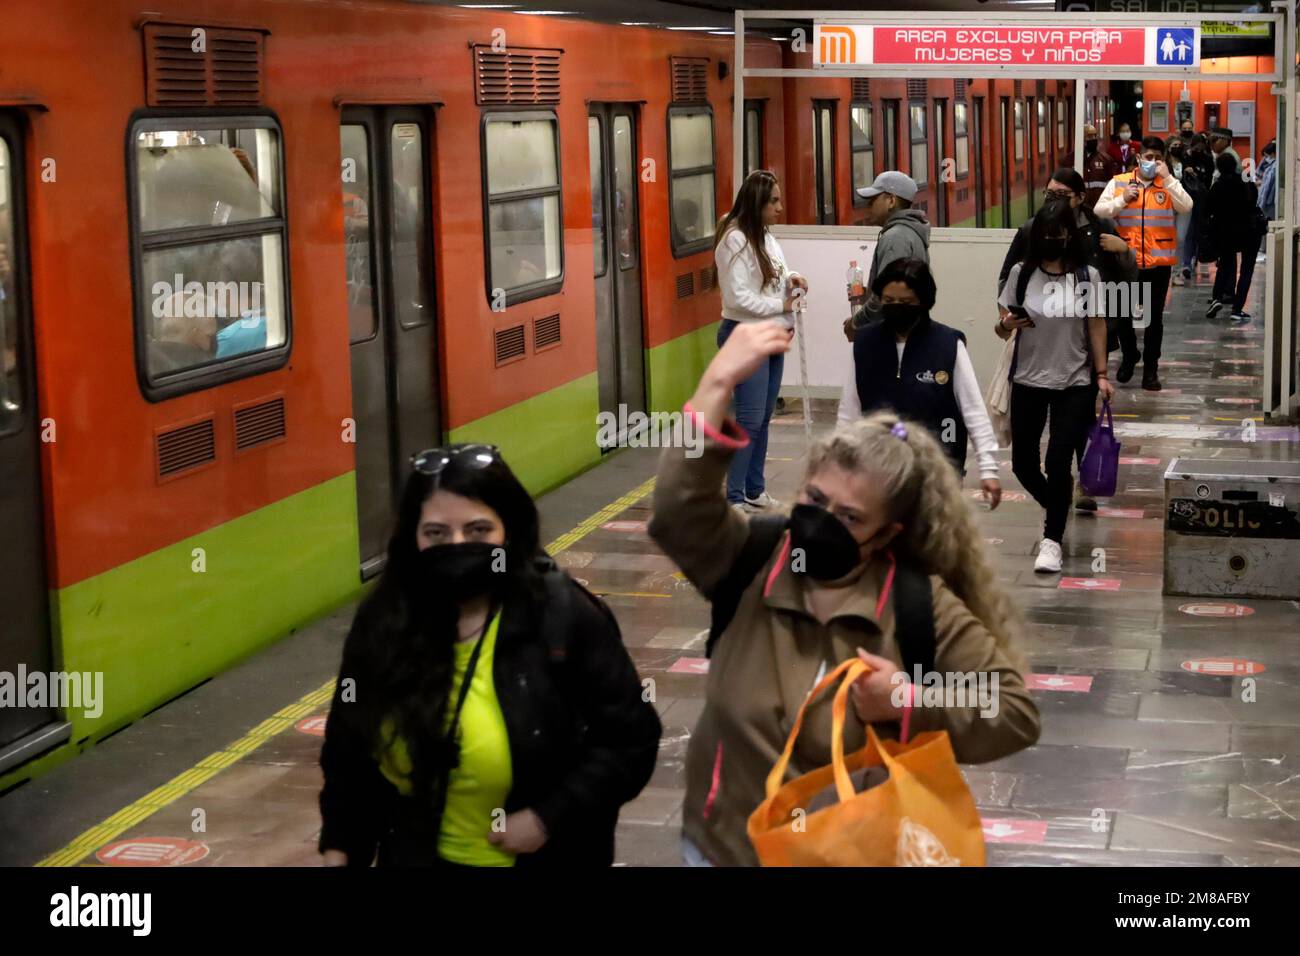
[1151,764]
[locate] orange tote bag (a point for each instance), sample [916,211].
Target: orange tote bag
[922,815]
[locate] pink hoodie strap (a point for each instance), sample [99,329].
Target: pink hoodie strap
[738,437]
[717,779]
[776,568]
[889,585]
[905,730]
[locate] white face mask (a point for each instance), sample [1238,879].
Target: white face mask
[1125,137]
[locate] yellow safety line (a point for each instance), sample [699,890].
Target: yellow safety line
[207,768]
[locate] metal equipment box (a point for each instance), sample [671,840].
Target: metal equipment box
[1232,528]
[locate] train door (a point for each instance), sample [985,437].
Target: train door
[1006,161]
[977,157]
[940,153]
[824,160]
[25,635]
[1030,158]
[388,253]
[616,231]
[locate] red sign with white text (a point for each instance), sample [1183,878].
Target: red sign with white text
[1224,666]
[1009,46]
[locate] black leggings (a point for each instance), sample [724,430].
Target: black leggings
[1071,412]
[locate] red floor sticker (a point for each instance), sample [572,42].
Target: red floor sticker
[1237,401]
[311,725]
[152,851]
[1178,364]
[1224,666]
[1217,609]
[1089,584]
[1014,831]
[624,525]
[1197,342]
[1121,512]
[1081,683]
[690,665]
[1140,461]
[1238,378]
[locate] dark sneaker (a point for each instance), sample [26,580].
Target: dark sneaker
[1126,367]
[1241,316]
[1150,382]
[1085,505]
[1214,308]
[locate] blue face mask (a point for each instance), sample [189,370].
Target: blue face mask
[1148,168]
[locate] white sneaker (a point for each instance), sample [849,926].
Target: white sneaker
[764,502]
[1049,557]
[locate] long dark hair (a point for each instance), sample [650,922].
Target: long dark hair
[1055,217]
[403,659]
[1068,177]
[747,216]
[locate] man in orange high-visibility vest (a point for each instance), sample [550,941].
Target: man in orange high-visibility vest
[1143,204]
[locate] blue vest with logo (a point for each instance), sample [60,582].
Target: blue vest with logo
[920,387]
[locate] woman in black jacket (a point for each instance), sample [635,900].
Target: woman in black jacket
[526,760]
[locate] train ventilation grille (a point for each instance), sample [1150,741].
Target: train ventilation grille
[518,77]
[259,424]
[959,89]
[861,88]
[213,68]
[546,332]
[509,344]
[916,89]
[685,285]
[708,278]
[690,79]
[185,449]
[1019,87]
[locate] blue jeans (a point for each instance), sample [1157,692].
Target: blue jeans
[692,855]
[754,401]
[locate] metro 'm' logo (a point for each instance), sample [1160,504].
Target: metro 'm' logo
[838,45]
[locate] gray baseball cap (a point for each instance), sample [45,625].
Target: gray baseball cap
[892,182]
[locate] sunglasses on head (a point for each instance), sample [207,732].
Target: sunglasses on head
[433,461]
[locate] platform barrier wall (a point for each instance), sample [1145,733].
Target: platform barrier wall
[965,263]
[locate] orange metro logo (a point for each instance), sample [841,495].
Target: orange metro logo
[838,45]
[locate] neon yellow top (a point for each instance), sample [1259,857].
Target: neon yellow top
[477,789]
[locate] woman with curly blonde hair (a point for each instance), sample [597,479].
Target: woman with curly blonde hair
[880,513]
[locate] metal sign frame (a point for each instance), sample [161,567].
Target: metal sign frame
[1283,80]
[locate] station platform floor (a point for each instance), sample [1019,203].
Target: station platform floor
[1146,757]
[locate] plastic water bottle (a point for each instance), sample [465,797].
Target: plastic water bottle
[855,280]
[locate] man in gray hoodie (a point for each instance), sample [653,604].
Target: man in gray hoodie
[904,234]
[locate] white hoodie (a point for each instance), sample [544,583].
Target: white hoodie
[744,298]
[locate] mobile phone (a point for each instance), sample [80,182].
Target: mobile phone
[1020,312]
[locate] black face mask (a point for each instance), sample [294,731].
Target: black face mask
[454,572]
[829,551]
[900,317]
[1090,145]
[1052,249]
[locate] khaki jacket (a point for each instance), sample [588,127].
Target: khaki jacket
[772,654]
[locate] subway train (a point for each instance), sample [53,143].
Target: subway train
[255,255]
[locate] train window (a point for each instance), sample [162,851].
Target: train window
[691,187]
[824,160]
[1019,108]
[919,144]
[753,136]
[1042,127]
[409,227]
[960,138]
[358,266]
[891,135]
[1061,139]
[594,146]
[525,239]
[11,386]
[862,144]
[624,192]
[209,233]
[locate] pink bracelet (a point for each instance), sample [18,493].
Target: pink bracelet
[738,438]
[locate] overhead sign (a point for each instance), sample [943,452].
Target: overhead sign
[1048,45]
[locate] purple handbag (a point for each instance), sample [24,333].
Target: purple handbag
[1099,470]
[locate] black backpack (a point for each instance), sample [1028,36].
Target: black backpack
[913,600]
